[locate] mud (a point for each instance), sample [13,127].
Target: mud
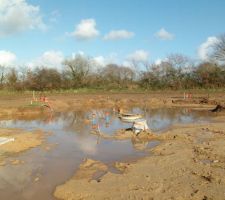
[23,140]
[188,164]
[124,134]
[20,106]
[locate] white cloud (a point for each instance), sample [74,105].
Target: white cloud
[164,35]
[205,48]
[51,59]
[85,30]
[7,58]
[158,61]
[126,63]
[79,53]
[87,145]
[138,56]
[97,62]
[118,35]
[105,60]
[100,61]
[17,16]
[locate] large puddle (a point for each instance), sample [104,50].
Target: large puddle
[44,169]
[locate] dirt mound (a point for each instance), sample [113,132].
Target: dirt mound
[218,108]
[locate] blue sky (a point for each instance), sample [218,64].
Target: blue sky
[142,29]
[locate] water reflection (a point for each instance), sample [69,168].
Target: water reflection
[81,122]
[71,131]
[160,119]
[75,127]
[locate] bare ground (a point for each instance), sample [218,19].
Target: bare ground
[18,106]
[188,164]
[23,141]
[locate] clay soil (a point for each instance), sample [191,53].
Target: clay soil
[19,105]
[23,141]
[189,162]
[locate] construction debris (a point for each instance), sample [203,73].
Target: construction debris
[4,140]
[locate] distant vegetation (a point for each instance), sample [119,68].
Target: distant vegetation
[175,72]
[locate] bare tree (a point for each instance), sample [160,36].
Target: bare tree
[179,61]
[209,75]
[12,78]
[2,75]
[126,74]
[117,76]
[79,68]
[110,73]
[46,79]
[219,49]
[138,67]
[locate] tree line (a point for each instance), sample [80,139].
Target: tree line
[175,72]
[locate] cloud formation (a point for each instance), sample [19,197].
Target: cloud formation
[99,61]
[139,56]
[85,30]
[206,47]
[118,35]
[7,58]
[17,16]
[51,59]
[158,61]
[102,61]
[164,35]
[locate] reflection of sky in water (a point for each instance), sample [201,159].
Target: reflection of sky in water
[71,131]
[78,125]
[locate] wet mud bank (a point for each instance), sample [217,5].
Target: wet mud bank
[15,141]
[21,107]
[189,163]
[74,161]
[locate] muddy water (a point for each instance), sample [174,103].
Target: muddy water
[71,142]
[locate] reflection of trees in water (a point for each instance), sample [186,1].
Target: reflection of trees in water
[103,117]
[174,115]
[139,144]
[25,122]
[162,117]
[81,120]
[75,121]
